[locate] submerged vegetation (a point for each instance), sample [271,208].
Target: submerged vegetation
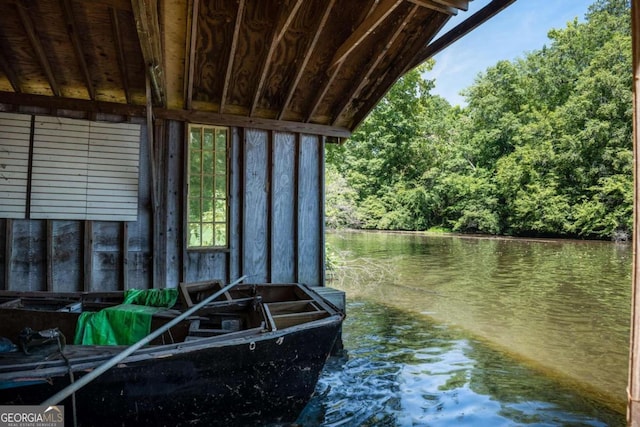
[543,147]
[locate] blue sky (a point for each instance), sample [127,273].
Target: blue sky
[520,28]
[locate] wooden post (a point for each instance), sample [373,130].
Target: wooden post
[633,408]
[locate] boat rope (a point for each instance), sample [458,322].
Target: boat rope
[86,379]
[71,380]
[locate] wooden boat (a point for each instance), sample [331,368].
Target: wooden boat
[252,356]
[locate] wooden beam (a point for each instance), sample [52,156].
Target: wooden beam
[205,117]
[459,31]
[72,31]
[335,69]
[394,70]
[121,58]
[38,49]
[307,56]
[61,103]
[232,54]
[363,80]
[192,37]
[458,4]
[278,33]
[379,14]
[163,113]
[115,4]
[437,6]
[633,389]
[8,71]
[145,13]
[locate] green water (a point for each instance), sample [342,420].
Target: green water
[558,309]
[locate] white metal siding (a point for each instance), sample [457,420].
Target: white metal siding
[14,164]
[80,169]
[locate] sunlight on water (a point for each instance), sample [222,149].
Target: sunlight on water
[406,370]
[560,308]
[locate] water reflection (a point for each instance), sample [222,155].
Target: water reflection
[560,307]
[406,370]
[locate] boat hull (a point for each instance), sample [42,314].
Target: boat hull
[260,380]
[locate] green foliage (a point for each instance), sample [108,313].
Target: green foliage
[542,148]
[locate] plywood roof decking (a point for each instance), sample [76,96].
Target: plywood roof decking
[320,65]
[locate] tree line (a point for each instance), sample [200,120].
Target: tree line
[542,148]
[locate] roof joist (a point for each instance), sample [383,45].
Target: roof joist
[278,33]
[309,51]
[5,67]
[72,30]
[377,16]
[439,6]
[145,13]
[121,57]
[232,54]
[38,49]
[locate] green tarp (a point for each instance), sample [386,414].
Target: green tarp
[127,323]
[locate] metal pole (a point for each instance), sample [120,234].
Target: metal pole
[72,388]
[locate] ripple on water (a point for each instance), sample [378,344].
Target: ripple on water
[408,371]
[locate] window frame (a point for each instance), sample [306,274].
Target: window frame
[189,192]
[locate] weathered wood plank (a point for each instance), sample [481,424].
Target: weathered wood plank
[27,264]
[309,206]
[66,256]
[283,241]
[255,210]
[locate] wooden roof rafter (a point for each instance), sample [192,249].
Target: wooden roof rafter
[145,13]
[72,31]
[438,6]
[458,4]
[466,26]
[385,81]
[278,33]
[356,89]
[5,67]
[309,51]
[120,56]
[38,49]
[335,69]
[232,54]
[366,27]
[190,57]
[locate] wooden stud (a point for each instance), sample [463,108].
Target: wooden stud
[50,254]
[38,48]
[633,389]
[72,30]
[8,254]
[307,56]
[125,256]
[88,255]
[232,54]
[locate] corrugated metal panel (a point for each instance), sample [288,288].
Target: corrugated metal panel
[85,170]
[14,164]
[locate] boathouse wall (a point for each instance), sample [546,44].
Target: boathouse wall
[276,221]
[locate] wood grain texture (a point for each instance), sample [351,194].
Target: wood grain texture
[283,244]
[28,255]
[66,256]
[309,211]
[255,209]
